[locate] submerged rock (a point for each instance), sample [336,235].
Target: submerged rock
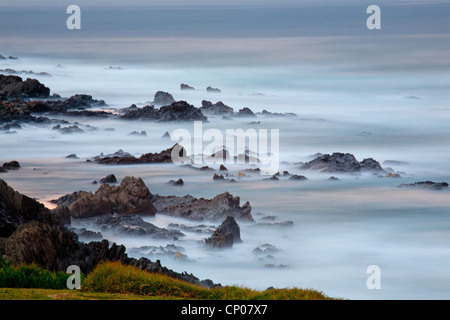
[430,185]
[12,165]
[133,225]
[216,108]
[184,86]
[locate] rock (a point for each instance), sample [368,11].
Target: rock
[333,178]
[72,156]
[298,177]
[225,235]
[13,165]
[275,114]
[166,135]
[395,163]
[430,185]
[169,251]
[393,175]
[15,87]
[179,182]
[163,98]
[144,113]
[246,112]
[213,90]
[371,165]
[180,111]
[17,209]
[218,177]
[273,178]
[342,162]
[109,179]
[76,102]
[266,249]
[218,208]
[223,168]
[164,156]
[68,130]
[135,133]
[89,235]
[217,108]
[130,197]
[133,225]
[186,87]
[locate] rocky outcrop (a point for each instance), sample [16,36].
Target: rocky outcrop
[164,156]
[130,197]
[163,98]
[12,165]
[30,233]
[109,179]
[213,90]
[181,111]
[132,225]
[227,234]
[430,185]
[13,87]
[216,108]
[17,209]
[184,86]
[342,162]
[176,111]
[216,209]
[246,112]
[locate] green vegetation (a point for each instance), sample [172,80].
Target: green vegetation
[30,276]
[113,280]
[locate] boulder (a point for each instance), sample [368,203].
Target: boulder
[130,197]
[163,98]
[13,165]
[213,90]
[109,179]
[298,177]
[184,86]
[180,111]
[216,108]
[15,87]
[246,112]
[227,234]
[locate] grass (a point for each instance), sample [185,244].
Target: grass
[113,280]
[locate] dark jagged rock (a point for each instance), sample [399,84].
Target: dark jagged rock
[342,162]
[275,114]
[216,108]
[68,130]
[19,111]
[24,72]
[130,197]
[176,111]
[184,86]
[266,249]
[430,185]
[16,209]
[180,111]
[75,102]
[246,112]
[163,98]
[218,177]
[298,177]
[89,235]
[166,135]
[72,156]
[227,234]
[218,208]
[14,87]
[138,134]
[179,182]
[12,165]
[223,168]
[132,225]
[164,156]
[333,178]
[213,90]
[109,179]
